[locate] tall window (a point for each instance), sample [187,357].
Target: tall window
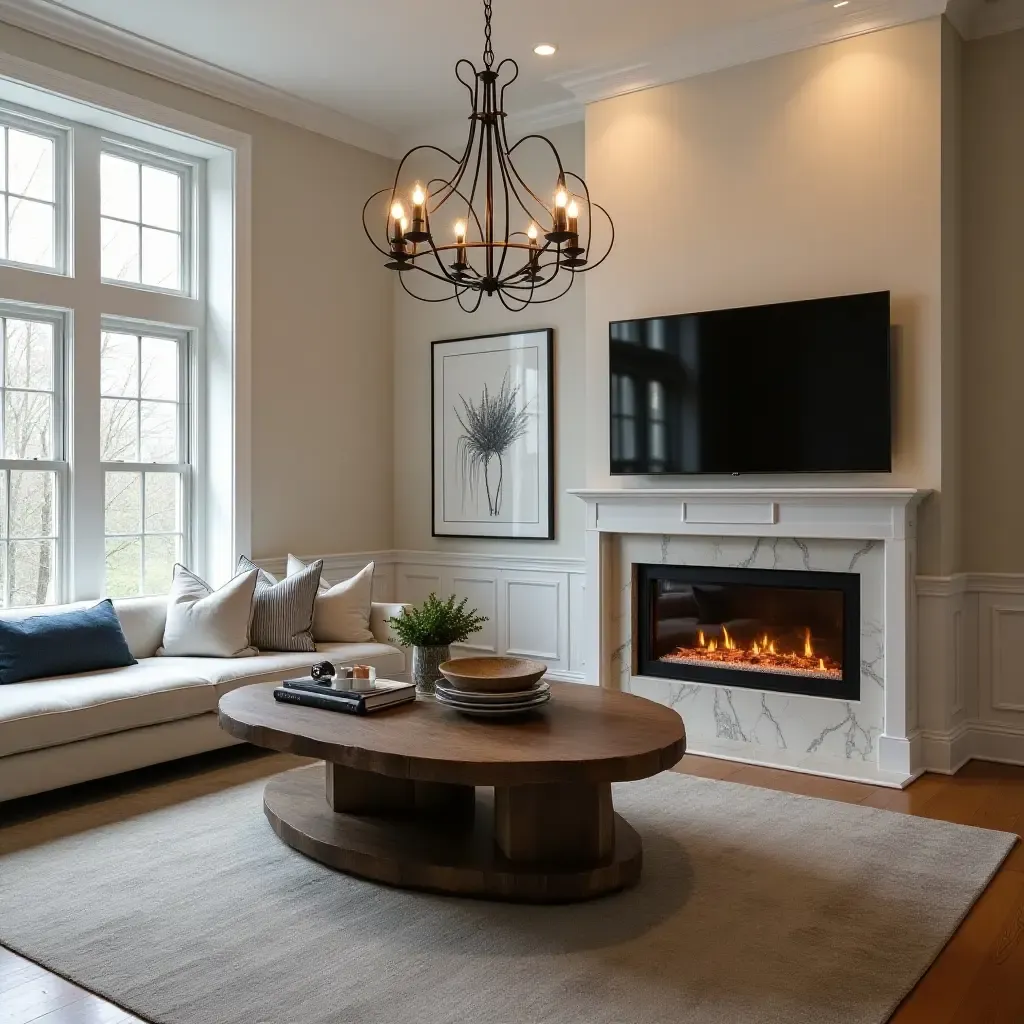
[97,432]
[32,477]
[144,448]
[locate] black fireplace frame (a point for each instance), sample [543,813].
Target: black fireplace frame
[848,583]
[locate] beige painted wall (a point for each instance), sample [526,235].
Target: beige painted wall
[813,173]
[993,276]
[321,321]
[417,324]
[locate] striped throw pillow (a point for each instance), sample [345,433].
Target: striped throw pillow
[282,612]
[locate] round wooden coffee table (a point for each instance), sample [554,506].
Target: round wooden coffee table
[409,798]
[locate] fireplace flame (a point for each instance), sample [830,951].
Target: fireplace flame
[763,655]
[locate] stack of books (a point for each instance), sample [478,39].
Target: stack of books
[385,694]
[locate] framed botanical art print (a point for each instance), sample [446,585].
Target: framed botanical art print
[493,437]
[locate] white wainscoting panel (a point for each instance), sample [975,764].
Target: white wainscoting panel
[1002,654]
[528,602]
[480,589]
[536,617]
[971,668]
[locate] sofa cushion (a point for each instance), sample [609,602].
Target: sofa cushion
[142,619]
[207,623]
[48,712]
[282,610]
[82,640]
[229,675]
[341,613]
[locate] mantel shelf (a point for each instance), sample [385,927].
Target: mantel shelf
[892,495]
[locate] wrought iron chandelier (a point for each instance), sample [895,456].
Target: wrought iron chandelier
[506,240]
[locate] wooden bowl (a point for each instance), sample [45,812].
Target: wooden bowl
[493,675]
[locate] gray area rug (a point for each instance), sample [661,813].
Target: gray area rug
[755,907]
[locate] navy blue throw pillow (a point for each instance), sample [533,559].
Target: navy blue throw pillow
[84,640]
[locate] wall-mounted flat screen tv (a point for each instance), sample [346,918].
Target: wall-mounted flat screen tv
[796,387]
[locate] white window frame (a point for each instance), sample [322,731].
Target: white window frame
[12,116]
[218,314]
[187,425]
[191,212]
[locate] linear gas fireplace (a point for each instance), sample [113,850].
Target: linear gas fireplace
[764,629]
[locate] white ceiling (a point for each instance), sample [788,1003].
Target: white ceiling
[380,72]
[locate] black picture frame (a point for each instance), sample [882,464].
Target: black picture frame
[441,440]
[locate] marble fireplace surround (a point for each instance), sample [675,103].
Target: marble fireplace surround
[870,531]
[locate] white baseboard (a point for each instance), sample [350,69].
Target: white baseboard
[946,753]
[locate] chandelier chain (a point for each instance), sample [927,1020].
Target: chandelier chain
[488,48]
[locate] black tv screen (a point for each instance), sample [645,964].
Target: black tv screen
[796,387]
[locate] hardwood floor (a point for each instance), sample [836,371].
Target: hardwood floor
[977,979]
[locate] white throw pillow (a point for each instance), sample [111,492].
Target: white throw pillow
[207,623]
[341,614]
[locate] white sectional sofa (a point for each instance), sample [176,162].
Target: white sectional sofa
[67,729]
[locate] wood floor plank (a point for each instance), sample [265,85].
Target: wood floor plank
[32,999]
[707,767]
[14,974]
[946,985]
[997,994]
[805,785]
[910,800]
[91,1010]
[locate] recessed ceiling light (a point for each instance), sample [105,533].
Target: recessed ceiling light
[842,3]
[547,49]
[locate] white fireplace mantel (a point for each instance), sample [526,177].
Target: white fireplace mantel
[886,515]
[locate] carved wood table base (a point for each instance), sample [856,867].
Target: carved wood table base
[517,844]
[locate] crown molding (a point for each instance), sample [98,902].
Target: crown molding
[976,19]
[814,23]
[101,39]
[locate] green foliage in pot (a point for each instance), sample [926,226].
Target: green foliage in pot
[436,623]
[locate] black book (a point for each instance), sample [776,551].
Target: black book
[328,701]
[383,694]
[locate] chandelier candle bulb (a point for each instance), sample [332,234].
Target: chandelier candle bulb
[460,243]
[573,214]
[398,213]
[419,232]
[561,201]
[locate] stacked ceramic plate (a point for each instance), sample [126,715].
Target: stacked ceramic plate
[492,687]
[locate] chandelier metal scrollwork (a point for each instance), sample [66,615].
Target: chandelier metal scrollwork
[506,240]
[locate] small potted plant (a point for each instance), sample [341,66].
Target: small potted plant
[430,629]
